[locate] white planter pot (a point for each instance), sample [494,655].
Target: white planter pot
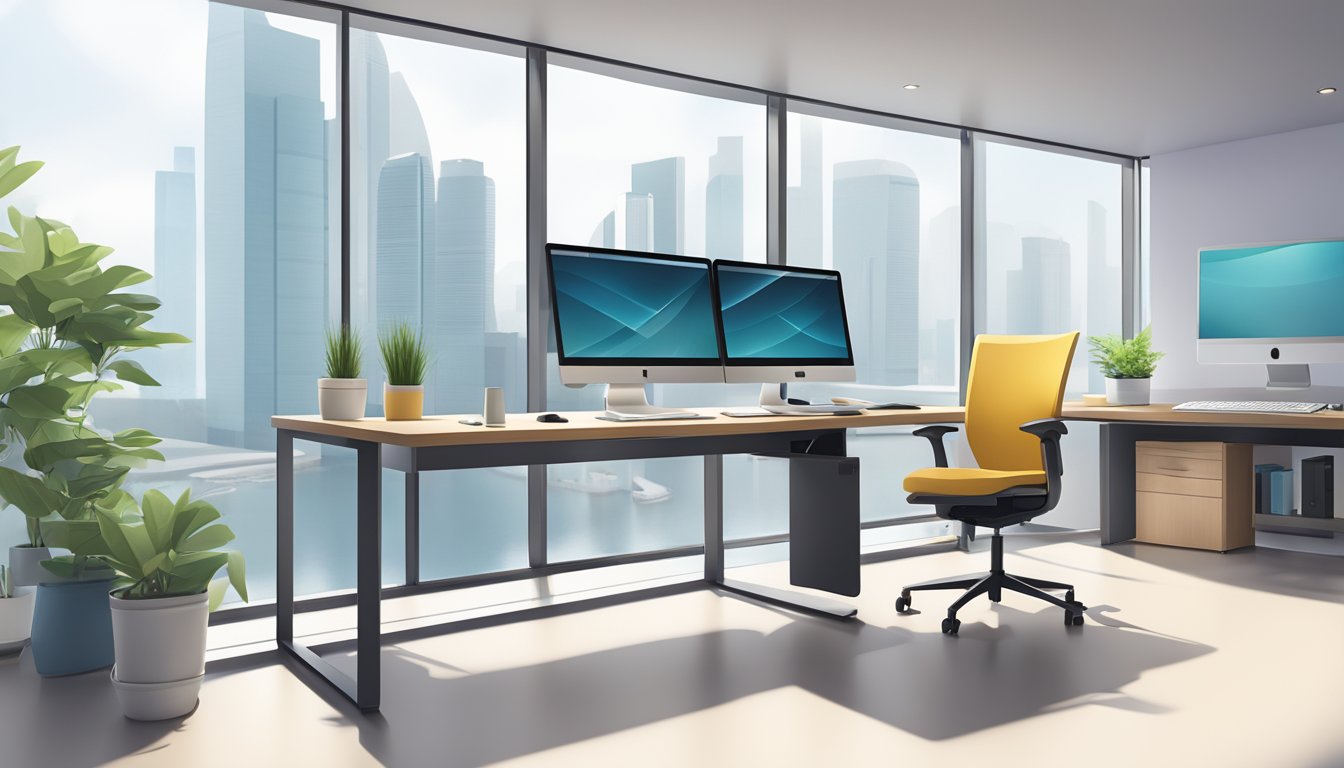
[342,399]
[16,619]
[157,701]
[25,564]
[1128,391]
[160,651]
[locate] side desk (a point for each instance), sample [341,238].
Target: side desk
[823,482]
[1124,426]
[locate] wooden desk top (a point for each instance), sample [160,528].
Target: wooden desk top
[524,427]
[1163,414]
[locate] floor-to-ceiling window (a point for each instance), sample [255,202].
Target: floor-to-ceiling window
[650,163]
[1049,261]
[438,190]
[208,157]
[881,203]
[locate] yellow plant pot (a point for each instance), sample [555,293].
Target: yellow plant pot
[403,403]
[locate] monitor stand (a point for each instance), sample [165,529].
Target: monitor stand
[629,402]
[774,394]
[1288,376]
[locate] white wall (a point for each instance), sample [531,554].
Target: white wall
[1288,186]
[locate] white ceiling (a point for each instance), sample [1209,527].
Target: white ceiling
[1137,77]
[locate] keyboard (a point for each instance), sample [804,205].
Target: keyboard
[1248,406]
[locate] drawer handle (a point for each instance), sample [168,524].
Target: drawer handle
[1176,469]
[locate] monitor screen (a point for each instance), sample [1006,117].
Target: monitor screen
[1287,291]
[773,315]
[628,308]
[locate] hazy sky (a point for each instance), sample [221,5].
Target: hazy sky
[122,93]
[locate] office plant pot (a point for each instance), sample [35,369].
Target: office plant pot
[342,399]
[160,654]
[72,627]
[403,402]
[16,619]
[25,565]
[1128,391]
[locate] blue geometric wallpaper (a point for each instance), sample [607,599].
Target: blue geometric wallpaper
[778,314]
[612,307]
[1271,292]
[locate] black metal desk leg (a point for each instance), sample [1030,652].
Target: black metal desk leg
[284,536]
[369,549]
[412,528]
[714,519]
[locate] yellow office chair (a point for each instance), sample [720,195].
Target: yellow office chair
[1012,411]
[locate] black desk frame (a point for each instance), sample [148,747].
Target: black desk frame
[824,501]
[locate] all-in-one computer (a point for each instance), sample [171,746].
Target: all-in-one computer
[626,319]
[1278,305]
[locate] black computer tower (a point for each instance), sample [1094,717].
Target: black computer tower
[1318,486]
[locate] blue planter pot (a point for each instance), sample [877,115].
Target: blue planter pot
[72,627]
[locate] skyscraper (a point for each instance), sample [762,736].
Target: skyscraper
[635,229]
[369,149]
[604,234]
[723,201]
[1039,295]
[174,365]
[1103,282]
[876,249]
[803,202]
[665,180]
[265,225]
[459,286]
[405,236]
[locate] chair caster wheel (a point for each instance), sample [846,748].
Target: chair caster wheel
[1074,618]
[902,604]
[950,626]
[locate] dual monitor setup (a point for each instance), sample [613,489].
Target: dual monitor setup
[626,319]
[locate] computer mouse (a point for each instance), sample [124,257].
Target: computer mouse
[1334,406]
[552,418]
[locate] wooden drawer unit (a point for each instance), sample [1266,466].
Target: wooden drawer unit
[1194,495]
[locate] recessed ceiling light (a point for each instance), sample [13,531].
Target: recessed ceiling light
[1323,91]
[911,86]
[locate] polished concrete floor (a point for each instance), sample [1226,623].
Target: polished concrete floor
[1187,658]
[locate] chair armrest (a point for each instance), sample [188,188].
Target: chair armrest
[934,434]
[1049,431]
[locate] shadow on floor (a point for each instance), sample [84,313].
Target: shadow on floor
[1279,571]
[71,722]
[929,685]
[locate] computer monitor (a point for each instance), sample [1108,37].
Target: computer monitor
[782,324]
[1280,304]
[626,318]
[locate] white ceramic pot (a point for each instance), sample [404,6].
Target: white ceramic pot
[1128,391]
[157,701]
[342,399]
[16,619]
[25,565]
[160,651]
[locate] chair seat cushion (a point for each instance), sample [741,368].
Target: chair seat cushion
[958,481]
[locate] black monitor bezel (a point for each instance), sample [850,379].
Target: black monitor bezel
[564,359]
[744,362]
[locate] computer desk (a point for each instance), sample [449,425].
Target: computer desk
[823,484]
[1123,426]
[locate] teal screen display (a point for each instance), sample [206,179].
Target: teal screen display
[1294,290]
[613,307]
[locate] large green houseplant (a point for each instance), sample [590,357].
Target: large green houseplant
[65,328]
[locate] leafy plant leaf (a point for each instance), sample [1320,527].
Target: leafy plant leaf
[130,370]
[206,539]
[28,493]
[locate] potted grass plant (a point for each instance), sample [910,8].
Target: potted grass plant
[66,327]
[342,395]
[405,361]
[1128,366]
[16,613]
[166,556]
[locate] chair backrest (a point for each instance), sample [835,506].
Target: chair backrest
[1014,379]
